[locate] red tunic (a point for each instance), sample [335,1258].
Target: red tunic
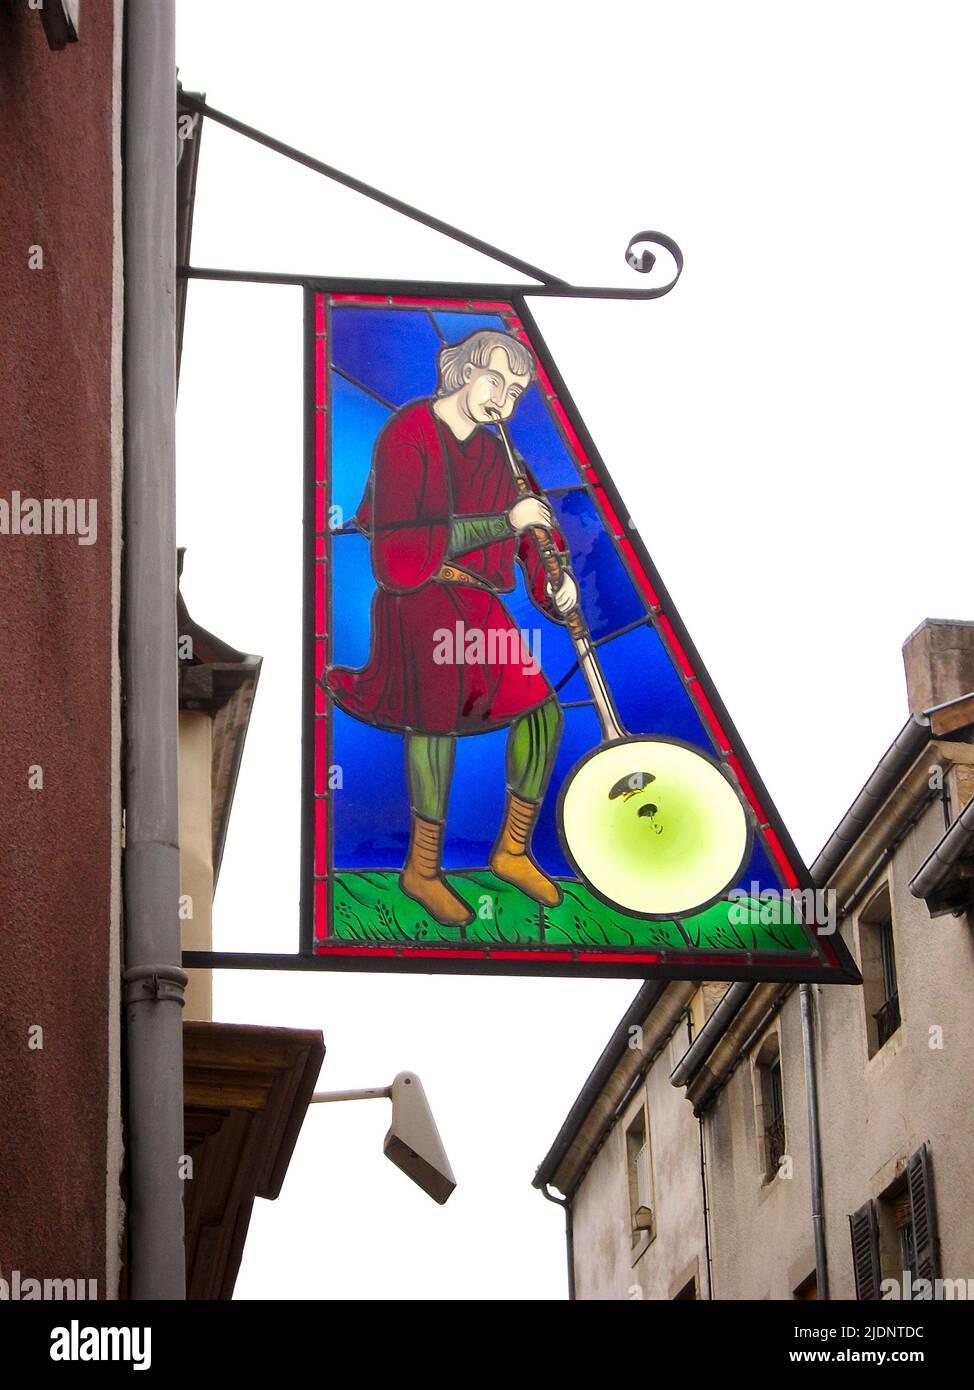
[422,478]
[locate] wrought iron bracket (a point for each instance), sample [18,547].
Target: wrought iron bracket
[642,260]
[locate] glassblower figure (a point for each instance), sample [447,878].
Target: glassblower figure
[446,524]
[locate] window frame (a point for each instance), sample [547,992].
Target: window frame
[877,1231]
[638,1144]
[769,1104]
[876,925]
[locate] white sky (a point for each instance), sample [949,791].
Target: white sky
[790,430]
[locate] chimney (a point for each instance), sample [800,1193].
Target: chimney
[939,661]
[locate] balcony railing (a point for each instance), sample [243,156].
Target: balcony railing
[775,1135]
[887,1019]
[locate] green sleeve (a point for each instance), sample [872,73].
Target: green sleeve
[472,532]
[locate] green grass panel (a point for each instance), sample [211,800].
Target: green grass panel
[372,908]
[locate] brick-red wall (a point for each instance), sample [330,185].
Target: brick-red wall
[55,644]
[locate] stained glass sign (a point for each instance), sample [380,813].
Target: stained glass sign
[514,759]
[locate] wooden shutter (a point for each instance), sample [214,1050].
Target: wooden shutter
[864,1229]
[919,1180]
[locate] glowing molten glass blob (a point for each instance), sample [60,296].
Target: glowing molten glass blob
[664,845]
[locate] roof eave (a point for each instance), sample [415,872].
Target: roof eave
[616,1048]
[945,879]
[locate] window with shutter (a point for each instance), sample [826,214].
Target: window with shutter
[864,1229]
[919,1181]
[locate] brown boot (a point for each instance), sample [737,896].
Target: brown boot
[511,857]
[422,877]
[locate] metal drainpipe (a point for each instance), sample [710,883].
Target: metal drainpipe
[569,1236]
[703,1181]
[153,981]
[814,1144]
[706,1210]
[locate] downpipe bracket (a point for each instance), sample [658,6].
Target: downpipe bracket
[150,984]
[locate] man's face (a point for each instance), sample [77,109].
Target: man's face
[492,392]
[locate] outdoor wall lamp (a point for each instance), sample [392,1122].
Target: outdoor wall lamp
[413,1142]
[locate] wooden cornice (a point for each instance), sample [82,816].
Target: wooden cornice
[246,1093]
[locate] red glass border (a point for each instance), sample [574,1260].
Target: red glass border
[322,566]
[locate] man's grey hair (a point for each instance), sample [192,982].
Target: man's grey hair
[477,350]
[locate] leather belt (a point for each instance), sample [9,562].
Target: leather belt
[450,574]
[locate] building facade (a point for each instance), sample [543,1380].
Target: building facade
[60,785]
[776,1141]
[71,1225]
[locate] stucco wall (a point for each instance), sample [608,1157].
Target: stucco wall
[59,438]
[875,1112]
[604,1266]
[761,1230]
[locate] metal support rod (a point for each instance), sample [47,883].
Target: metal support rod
[814,1144]
[368,1093]
[154,982]
[433,289]
[192,103]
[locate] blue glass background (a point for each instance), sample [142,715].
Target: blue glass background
[356,419]
[649,694]
[351,606]
[536,439]
[389,351]
[453,327]
[609,598]
[581,733]
[371,809]
[759,870]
